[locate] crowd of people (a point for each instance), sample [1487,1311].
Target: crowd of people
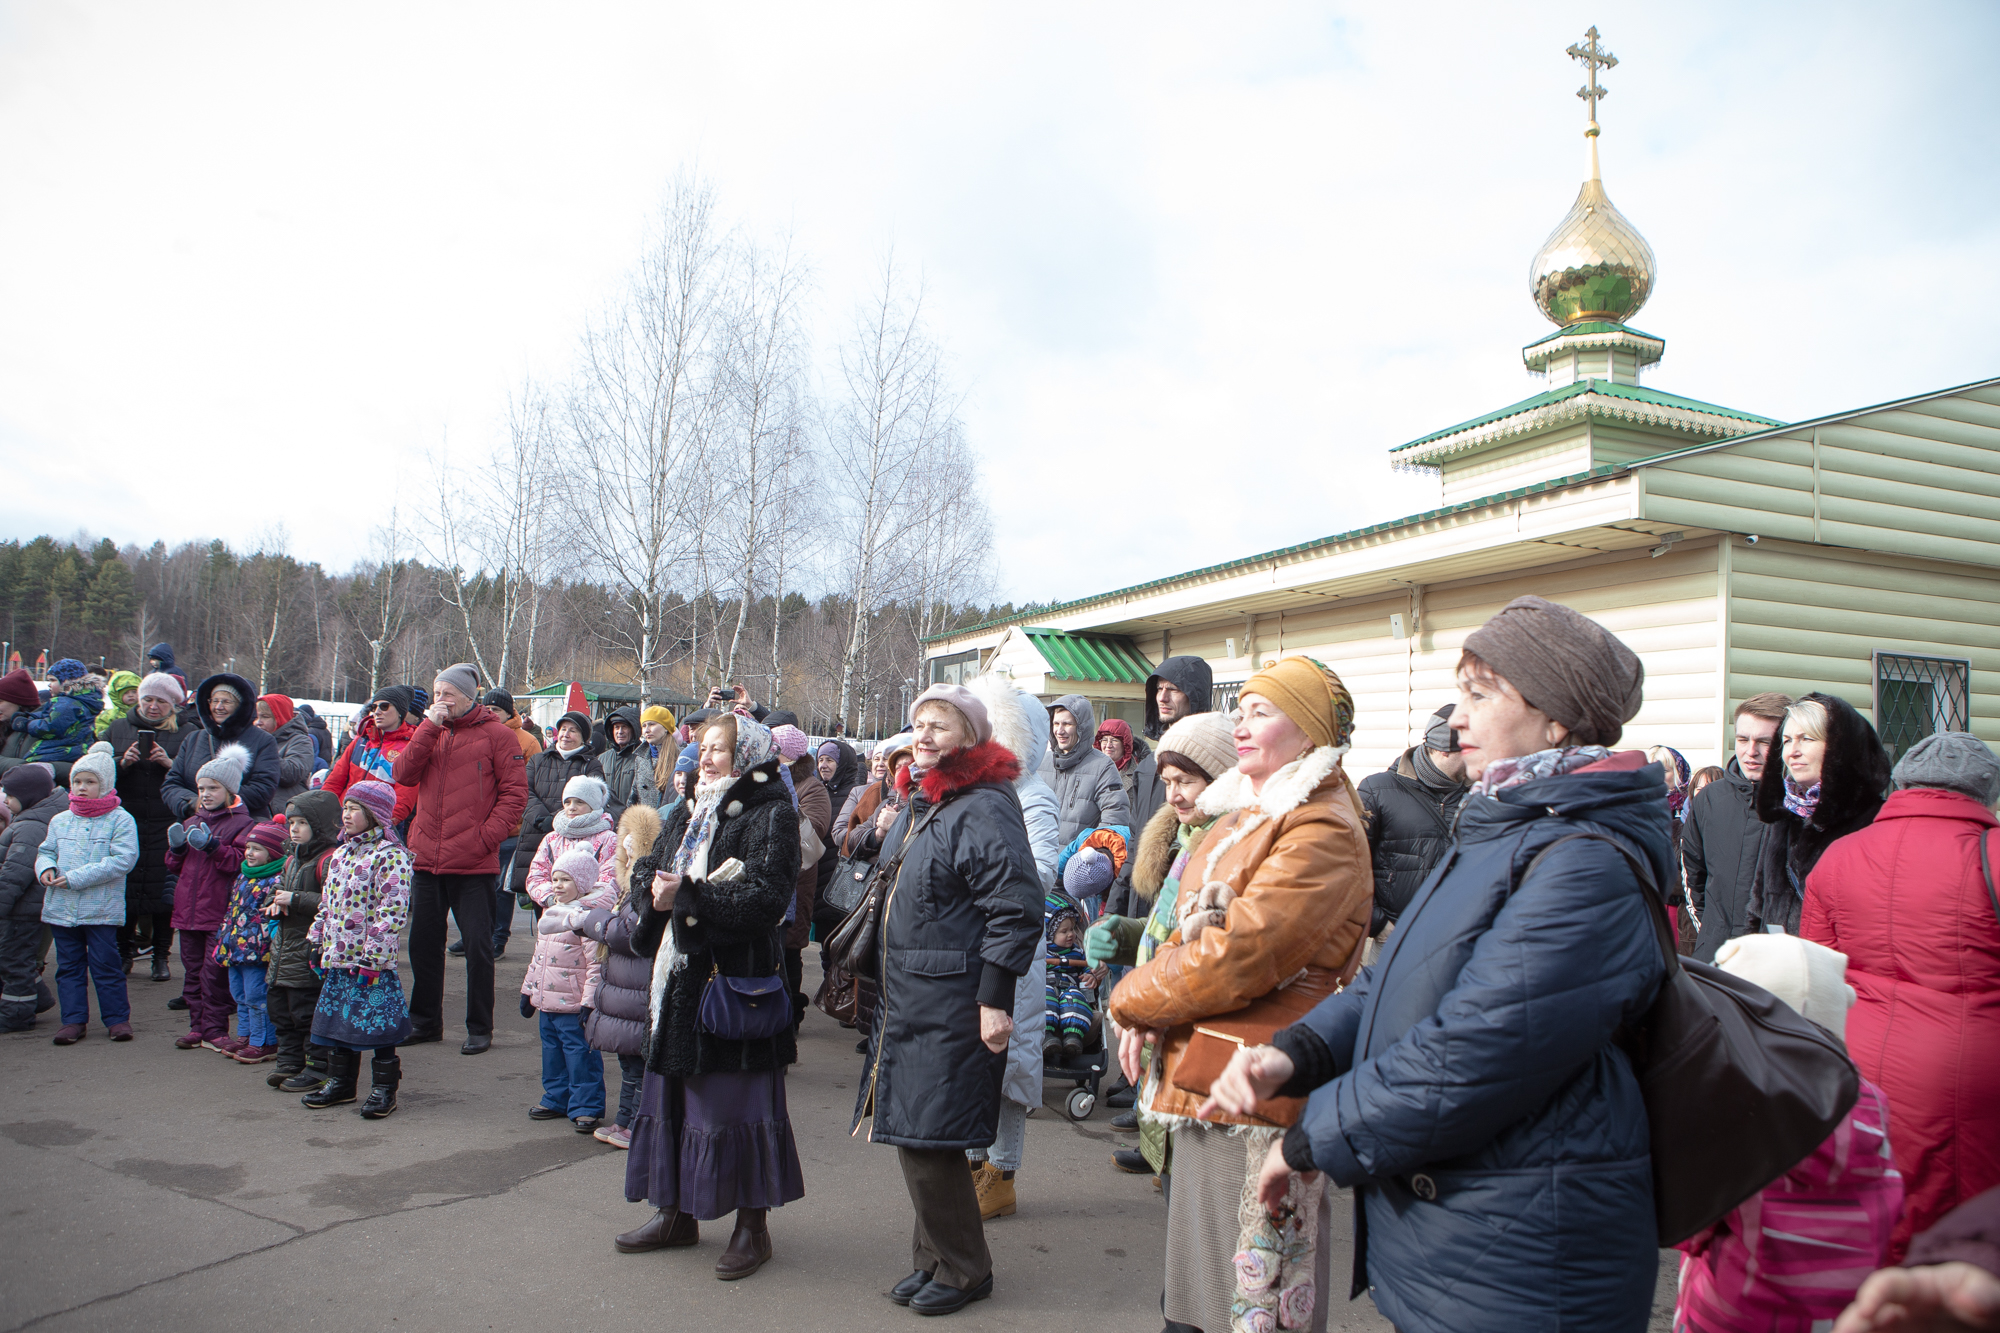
[1420,989]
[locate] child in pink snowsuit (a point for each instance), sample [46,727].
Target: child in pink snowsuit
[1790,1258]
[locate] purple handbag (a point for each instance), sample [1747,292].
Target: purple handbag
[744,1008]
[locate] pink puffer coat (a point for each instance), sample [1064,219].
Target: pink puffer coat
[562,977]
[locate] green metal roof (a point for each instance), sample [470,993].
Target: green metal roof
[1593,326]
[1099,657]
[1632,392]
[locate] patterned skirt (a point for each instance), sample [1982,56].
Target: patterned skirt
[712,1143]
[360,1013]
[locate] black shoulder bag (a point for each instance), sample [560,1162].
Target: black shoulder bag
[1739,1086]
[855,945]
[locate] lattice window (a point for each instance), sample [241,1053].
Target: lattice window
[1917,697]
[955,669]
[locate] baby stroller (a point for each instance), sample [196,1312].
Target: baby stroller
[1084,1069]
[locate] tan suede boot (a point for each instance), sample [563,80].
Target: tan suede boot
[995,1191]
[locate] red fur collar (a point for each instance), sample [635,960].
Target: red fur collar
[988,761]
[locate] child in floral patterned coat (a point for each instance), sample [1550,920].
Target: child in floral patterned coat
[561,981]
[243,944]
[364,905]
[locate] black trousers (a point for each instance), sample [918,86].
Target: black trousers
[161,942]
[469,899]
[291,1009]
[949,1242]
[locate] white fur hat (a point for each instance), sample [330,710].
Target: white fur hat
[1809,977]
[591,791]
[231,762]
[98,760]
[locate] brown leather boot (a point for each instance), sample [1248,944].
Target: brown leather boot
[667,1229]
[749,1246]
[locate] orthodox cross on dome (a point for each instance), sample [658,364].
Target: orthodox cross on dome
[1594,57]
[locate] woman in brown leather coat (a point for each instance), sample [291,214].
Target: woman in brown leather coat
[1273,908]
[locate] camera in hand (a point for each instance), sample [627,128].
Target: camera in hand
[146,739]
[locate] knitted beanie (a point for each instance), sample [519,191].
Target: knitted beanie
[1204,739]
[18,687]
[501,701]
[1953,761]
[463,677]
[231,762]
[30,784]
[68,669]
[99,760]
[270,835]
[829,748]
[581,865]
[591,791]
[399,697]
[965,701]
[792,743]
[378,799]
[1088,873]
[160,685]
[582,721]
[280,706]
[420,699]
[1311,695]
[1809,977]
[659,715]
[1565,664]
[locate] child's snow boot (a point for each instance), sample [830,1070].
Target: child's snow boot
[343,1070]
[387,1071]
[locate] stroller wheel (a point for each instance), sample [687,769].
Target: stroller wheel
[1080,1104]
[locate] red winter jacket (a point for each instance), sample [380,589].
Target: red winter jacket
[1906,901]
[201,893]
[472,786]
[369,758]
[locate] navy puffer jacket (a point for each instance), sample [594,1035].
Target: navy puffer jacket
[1492,1131]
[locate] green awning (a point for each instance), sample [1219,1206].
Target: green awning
[1108,658]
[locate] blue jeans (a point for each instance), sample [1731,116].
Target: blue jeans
[247,986]
[572,1073]
[92,948]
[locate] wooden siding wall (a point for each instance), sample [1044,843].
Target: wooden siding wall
[1665,608]
[1921,480]
[1510,467]
[1805,618]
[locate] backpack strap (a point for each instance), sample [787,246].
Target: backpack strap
[1986,867]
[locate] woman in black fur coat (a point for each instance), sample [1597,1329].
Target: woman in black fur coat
[1831,777]
[713,1133]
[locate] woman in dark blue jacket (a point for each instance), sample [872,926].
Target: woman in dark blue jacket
[1467,1087]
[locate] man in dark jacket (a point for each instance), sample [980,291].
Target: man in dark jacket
[627,763]
[1410,811]
[1179,687]
[227,707]
[34,799]
[1722,834]
[471,790]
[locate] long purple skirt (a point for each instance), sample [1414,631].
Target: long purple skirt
[713,1143]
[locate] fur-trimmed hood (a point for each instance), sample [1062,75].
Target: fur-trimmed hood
[1854,778]
[1284,791]
[638,830]
[988,761]
[1155,854]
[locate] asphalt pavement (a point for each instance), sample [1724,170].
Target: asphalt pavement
[156,1189]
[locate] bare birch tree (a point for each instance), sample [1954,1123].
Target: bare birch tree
[947,557]
[381,605]
[639,418]
[491,534]
[895,410]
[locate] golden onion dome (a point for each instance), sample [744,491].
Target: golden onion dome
[1595,265]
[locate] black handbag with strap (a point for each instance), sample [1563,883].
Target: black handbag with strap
[1739,1086]
[855,945]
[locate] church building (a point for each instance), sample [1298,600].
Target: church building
[1856,553]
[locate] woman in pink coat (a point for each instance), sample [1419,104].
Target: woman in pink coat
[1907,901]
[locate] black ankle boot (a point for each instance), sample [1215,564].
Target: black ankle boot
[387,1072]
[343,1070]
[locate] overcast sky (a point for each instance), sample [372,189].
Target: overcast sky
[1198,266]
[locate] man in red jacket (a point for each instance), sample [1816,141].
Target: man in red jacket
[472,786]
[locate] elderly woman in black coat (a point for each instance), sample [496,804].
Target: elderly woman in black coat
[961,922]
[713,1133]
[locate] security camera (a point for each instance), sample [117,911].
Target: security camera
[1752,539]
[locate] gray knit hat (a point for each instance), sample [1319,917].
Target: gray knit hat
[1953,760]
[98,760]
[463,677]
[231,762]
[591,791]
